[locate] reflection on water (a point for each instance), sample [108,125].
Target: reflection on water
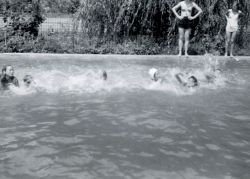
[77,126]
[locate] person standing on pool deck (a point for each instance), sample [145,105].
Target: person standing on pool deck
[186,22]
[232,27]
[7,77]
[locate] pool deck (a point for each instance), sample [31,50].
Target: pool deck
[237,58]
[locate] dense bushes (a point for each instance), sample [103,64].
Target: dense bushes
[62,42]
[120,20]
[60,6]
[116,27]
[22,15]
[58,43]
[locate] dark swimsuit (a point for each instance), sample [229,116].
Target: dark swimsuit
[5,81]
[185,23]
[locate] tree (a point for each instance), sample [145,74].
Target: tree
[154,18]
[61,6]
[23,15]
[124,17]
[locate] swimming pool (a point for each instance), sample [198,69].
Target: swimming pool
[77,126]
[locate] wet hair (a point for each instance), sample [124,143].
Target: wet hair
[5,68]
[237,4]
[27,78]
[195,80]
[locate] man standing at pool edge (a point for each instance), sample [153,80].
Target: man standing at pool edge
[186,22]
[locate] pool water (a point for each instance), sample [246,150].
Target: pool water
[74,125]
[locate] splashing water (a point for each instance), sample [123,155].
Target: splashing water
[73,124]
[79,78]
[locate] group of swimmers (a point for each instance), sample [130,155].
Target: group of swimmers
[213,71]
[186,24]
[8,80]
[191,81]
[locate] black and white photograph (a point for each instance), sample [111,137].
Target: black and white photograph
[125,89]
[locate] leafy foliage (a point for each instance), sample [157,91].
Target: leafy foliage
[122,19]
[61,6]
[118,26]
[68,42]
[22,15]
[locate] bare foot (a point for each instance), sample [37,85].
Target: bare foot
[231,56]
[237,59]
[179,55]
[186,55]
[225,55]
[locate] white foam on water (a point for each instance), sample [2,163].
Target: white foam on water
[84,79]
[90,81]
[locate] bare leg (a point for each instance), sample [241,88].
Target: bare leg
[232,43]
[228,38]
[187,35]
[181,38]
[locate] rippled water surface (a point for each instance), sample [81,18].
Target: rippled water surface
[74,125]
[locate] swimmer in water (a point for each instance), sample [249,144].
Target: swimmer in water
[7,78]
[192,81]
[155,75]
[212,77]
[28,80]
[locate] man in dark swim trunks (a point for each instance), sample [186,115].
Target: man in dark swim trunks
[186,22]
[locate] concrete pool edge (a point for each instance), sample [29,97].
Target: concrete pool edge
[124,56]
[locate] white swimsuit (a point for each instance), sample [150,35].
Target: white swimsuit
[232,22]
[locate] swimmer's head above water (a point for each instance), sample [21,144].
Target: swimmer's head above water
[192,82]
[155,76]
[8,70]
[28,79]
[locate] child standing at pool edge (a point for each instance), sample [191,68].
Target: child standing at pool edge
[186,22]
[232,27]
[7,77]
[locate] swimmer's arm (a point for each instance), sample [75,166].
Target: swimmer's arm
[198,9]
[177,76]
[174,10]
